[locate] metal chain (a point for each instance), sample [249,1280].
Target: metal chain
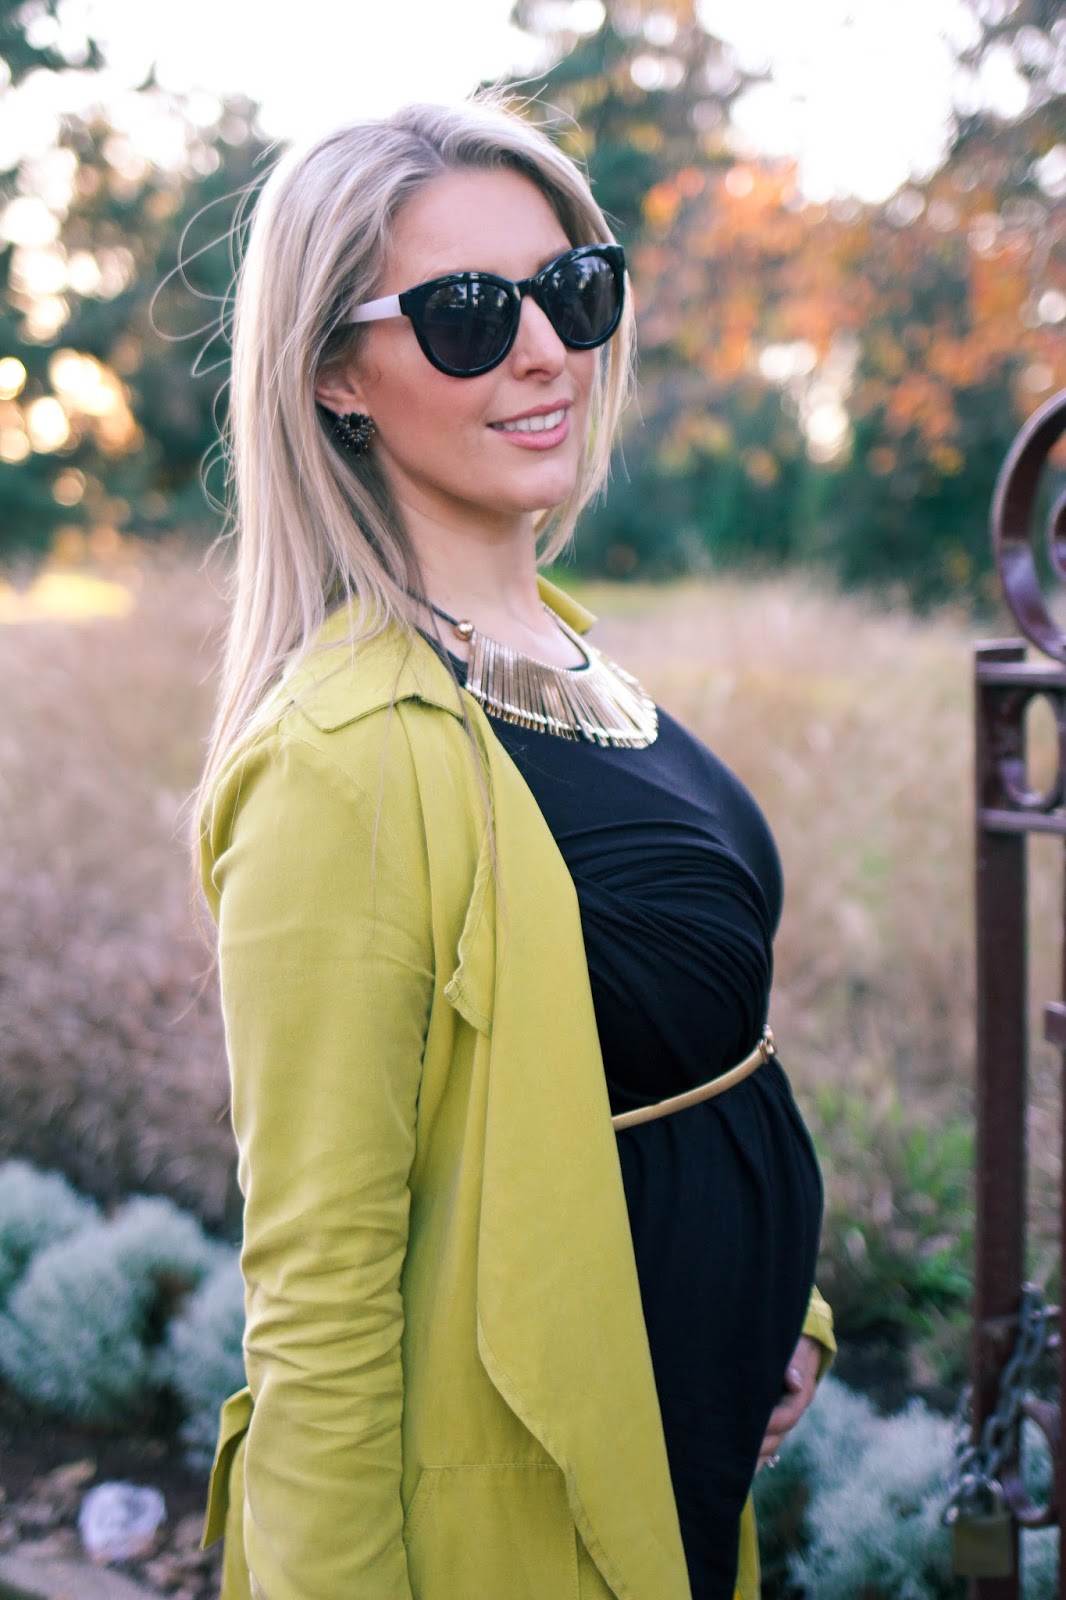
[974,1482]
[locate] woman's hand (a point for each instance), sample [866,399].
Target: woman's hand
[800,1380]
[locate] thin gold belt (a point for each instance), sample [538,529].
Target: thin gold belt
[704,1091]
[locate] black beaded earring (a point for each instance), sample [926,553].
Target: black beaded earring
[354,431]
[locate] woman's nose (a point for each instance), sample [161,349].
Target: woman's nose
[537,345]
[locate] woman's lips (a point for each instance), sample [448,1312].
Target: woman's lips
[541,432]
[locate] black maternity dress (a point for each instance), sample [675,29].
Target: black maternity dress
[679,886]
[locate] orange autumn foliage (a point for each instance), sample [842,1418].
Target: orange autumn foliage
[930,303]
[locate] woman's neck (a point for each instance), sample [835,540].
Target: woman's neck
[488,577]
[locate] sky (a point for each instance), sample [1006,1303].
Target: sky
[861,94]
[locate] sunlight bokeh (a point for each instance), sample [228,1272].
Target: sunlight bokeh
[64,597]
[861,92]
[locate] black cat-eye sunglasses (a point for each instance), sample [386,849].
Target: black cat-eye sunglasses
[466,322]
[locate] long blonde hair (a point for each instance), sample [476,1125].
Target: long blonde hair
[307,519]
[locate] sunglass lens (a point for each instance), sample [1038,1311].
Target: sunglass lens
[582,296]
[467,325]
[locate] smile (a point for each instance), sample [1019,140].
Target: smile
[542,424]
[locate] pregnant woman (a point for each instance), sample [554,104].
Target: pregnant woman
[531,1217]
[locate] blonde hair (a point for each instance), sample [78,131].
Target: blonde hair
[310,520]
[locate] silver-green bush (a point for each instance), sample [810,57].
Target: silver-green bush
[80,1329]
[878,1530]
[202,1359]
[854,1508]
[36,1209]
[106,1317]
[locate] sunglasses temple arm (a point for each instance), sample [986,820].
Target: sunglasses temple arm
[377,310]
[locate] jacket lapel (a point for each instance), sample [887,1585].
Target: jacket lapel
[561,1330]
[560,1326]
[391,667]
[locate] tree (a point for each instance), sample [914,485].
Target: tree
[966,336]
[29,35]
[175,235]
[836,383]
[644,94]
[102,422]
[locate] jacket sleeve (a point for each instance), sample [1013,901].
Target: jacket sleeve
[818,1325]
[321,895]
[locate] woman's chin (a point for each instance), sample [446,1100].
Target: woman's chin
[545,490]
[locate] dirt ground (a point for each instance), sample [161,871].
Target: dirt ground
[45,1469]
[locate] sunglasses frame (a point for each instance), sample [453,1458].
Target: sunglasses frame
[411,302]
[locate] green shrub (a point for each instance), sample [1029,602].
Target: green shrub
[897,1242]
[36,1209]
[203,1360]
[80,1329]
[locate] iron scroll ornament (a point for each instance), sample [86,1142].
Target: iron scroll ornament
[1013,533]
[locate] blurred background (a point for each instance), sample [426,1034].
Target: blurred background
[846,228]
[844,221]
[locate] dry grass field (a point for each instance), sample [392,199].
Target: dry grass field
[853,727]
[112,1066]
[850,724]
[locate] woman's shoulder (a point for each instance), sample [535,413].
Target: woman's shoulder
[378,719]
[340,677]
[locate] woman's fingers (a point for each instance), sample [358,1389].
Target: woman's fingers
[799,1386]
[787,1413]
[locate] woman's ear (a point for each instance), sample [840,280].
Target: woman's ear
[338,389]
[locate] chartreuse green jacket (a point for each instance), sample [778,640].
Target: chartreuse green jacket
[450,1395]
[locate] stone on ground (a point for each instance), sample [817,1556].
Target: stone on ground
[26,1577]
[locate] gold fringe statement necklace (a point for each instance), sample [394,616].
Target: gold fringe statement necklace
[599,702]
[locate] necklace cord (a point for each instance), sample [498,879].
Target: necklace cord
[440,613]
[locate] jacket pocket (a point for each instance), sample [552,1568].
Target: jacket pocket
[501,1530]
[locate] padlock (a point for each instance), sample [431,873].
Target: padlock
[982,1540]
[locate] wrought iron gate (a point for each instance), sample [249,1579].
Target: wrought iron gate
[1007,680]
